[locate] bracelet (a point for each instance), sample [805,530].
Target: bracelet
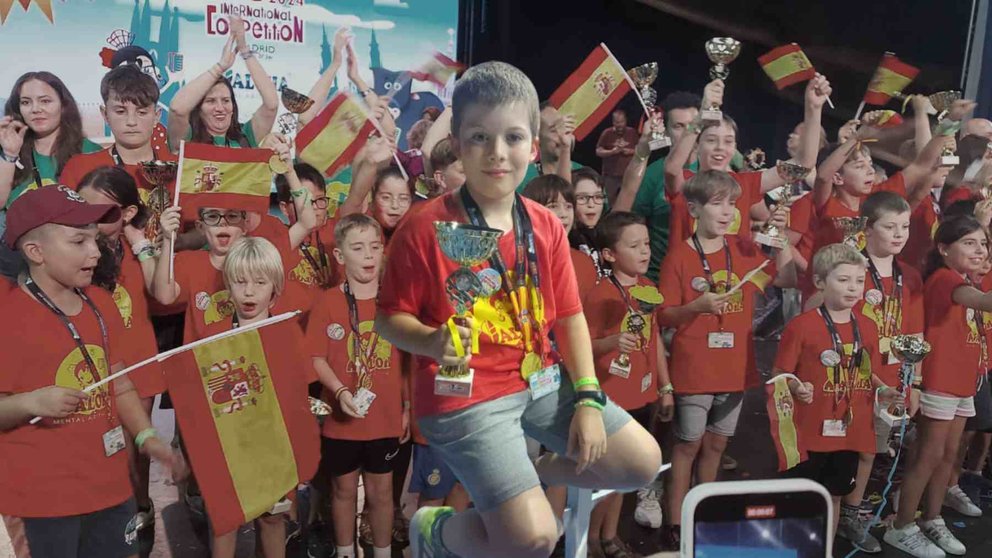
[216,70]
[247,55]
[587,381]
[589,403]
[140,245]
[339,391]
[367,92]
[144,435]
[12,159]
[298,193]
[147,253]
[666,389]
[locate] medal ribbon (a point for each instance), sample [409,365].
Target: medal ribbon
[891,303]
[362,359]
[853,362]
[630,307]
[709,270]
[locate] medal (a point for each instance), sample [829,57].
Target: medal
[277,165]
[530,364]
[700,284]
[873,297]
[830,358]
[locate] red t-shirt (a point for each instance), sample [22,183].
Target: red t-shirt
[694,367]
[585,271]
[802,216]
[59,467]
[329,335]
[202,289]
[414,252]
[922,229]
[304,274]
[80,165]
[605,303]
[683,225]
[954,365]
[296,295]
[132,303]
[804,340]
[906,316]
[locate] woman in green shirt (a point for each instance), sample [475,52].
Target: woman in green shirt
[205,110]
[40,131]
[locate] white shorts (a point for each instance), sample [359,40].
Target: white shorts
[940,406]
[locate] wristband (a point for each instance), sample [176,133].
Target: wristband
[665,389]
[590,403]
[12,159]
[144,435]
[338,392]
[148,253]
[140,245]
[587,381]
[367,92]
[247,55]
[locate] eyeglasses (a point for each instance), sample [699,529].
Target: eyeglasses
[213,218]
[319,203]
[596,199]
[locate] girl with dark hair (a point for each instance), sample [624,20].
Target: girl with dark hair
[124,269]
[40,130]
[558,195]
[391,198]
[590,206]
[205,110]
[955,328]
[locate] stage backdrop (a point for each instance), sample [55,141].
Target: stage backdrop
[292,38]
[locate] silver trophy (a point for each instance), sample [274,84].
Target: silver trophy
[911,350]
[644,75]
[851,228]
[289,122]
[793,174]
[942,101]
[468,246]
[721,51]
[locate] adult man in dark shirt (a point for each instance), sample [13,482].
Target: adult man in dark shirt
[616,147]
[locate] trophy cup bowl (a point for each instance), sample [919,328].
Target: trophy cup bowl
[722,51]
[791,172]
[159,173]
[942,101]
[644,75]
[911,350]
[318,408]
[850,227]
[294,101]
[755,159]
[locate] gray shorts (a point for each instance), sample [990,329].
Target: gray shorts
[697,414]
[100,533]
[485,445]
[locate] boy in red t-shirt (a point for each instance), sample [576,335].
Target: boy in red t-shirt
[475,410]
[365,382]
[709,291]
[66,479]
[627,348]
[834,351]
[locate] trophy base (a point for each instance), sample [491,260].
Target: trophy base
[711,115]
[454,386]
[660,143]
[949,160]
[769,240]
[894,421]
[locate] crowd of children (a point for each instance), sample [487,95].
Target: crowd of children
[609,315]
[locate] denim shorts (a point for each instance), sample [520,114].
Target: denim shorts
[100,533]
[485,447]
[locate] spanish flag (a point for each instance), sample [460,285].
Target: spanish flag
[242,407]
[781,417]
[891,77]
[438,69]
[591,92]
[330,141]
[225,177]
[787,65]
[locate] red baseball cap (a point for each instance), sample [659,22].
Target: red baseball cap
[60,205]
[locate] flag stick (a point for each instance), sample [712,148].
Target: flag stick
[785,375]
[831,103]
[748,277]
[175,202]
[861,107]
[173,352]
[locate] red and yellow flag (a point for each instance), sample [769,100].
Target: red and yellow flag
[781,416]
[242,407]
[44,5]
[787,65]
[330,141]
[224,177]
[438,69]
[591,92]
[891,77]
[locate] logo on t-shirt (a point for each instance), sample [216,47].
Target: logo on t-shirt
[303,272]
[123,301]
[837,377]
[377,357]
[495,317]
[215,307]
[74,373]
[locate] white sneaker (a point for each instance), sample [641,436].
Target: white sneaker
[938,532]
[648,512]
[958,501]
[911,540]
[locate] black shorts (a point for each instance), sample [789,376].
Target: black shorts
[643,415]
[100,533]
[982,421]
[341,457]
[835,470]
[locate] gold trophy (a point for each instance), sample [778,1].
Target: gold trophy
[851,228]
[754,160]
[646,298]
[793,174]
[721,51]
[911,350]
[644,75]
[942,102]
[160,174]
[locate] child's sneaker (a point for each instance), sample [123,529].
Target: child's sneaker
[958,501]
[424,537]
[856,531]
[937,531]
[912,541]
[648,512]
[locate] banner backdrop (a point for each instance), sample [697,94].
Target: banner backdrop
[292,39]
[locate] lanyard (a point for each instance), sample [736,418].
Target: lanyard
[525,265]
[636,323]
[362,359]
[853,363]
[118,162]
[40,295]
[34,170]
[320,264]
[704,261]
[891,304]
[983,358]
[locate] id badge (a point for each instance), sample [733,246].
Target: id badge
[363,399]
[113,440]
[834,428]
[620,369]
[720,340]
[646,382]
[454,386]
[545,381]
[280,507]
